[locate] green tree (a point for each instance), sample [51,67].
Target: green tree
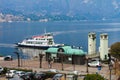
[115,50]
[94,77]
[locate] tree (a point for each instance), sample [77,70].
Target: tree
[115,50]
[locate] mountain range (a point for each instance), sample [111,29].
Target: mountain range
[79,9]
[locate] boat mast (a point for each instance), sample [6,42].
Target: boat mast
[45,30]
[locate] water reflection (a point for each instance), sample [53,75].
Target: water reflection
[30,52]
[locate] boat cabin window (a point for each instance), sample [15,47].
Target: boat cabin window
[48,34]
[28,42]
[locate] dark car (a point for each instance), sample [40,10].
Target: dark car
[8,58]
[28,76]
[40,76]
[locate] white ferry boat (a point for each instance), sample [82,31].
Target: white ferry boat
[41,41]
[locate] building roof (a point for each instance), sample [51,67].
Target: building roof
[52,50]
[67,50]
[75,51]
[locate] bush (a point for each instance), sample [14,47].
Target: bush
[94,77]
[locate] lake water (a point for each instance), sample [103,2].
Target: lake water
[70,33]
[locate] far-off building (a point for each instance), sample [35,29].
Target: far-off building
[103,49]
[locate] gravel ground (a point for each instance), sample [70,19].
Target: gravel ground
[3,78]
[34,64]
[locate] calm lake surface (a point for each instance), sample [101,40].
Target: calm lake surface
[70,33]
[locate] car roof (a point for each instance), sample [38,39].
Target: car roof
[59,75]
[40,73]
[12,70]
[19,71]
[9,56]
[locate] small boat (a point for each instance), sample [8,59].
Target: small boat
[44,41]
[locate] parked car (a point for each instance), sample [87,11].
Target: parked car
[53,70]
[71,77]
[28,76]
[94,63]
[10,73]
[8,58]
[20,73]
[58,77]
[40,76]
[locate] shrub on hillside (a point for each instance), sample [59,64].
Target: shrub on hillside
[94,77]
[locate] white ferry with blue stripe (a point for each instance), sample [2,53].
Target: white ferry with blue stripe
[44,41]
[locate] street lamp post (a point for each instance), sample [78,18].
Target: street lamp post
[62,61]
[110,64]
[18,56]
[21,61]
[8,73]
[73,62]
[61,55]
[110,68]
[87,65]
[74,66]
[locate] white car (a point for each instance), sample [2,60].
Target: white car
[10,73]
[20,73]
[8,58]
[53,70]
[94,63]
